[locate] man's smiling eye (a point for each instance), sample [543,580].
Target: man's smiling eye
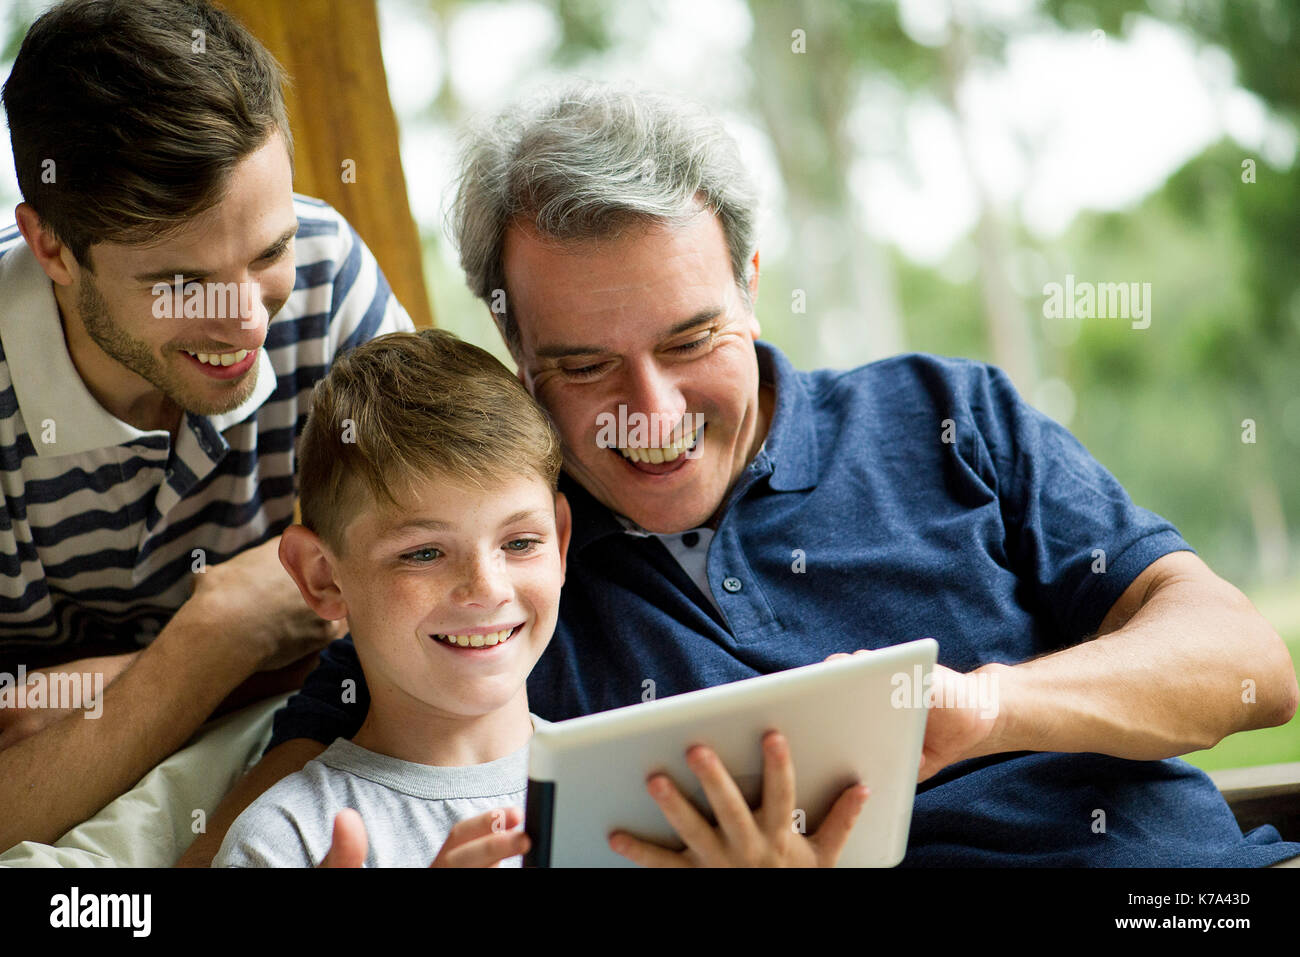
[273,254]
[695,345]
[584,372]
[522,546]
[422,556]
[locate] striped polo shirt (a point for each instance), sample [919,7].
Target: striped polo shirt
[104,526]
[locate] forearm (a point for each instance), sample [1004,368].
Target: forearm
[1194,664]
[70,769]
[25,711]
[106,667]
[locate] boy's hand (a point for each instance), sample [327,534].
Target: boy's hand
[482,841]
[349,844]
[765,837]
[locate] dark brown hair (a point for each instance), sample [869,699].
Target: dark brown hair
[137,110]
[415,405]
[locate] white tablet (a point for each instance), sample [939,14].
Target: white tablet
[860,719]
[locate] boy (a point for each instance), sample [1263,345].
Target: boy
[430,521]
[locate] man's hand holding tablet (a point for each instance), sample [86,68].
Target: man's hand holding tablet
[963,716]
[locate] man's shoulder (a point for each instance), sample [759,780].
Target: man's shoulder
[318,218]
[324,241]
[919,370]
[340,296]
[912,382]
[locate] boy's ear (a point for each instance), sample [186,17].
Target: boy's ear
[304,557]
[563,529]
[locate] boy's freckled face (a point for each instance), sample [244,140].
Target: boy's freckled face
[455,560]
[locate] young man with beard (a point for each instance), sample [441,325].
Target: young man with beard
[166,304]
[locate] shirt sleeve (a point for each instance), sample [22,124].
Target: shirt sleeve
[332,703]
[362,305]
[1074,535]
[265,835]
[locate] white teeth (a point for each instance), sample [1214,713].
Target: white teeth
[476,641]
[220,358]
[669,453]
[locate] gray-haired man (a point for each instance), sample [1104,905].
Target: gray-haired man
[786,516]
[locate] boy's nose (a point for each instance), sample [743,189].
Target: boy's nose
[484,584]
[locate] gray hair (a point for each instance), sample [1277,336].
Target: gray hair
[585,161]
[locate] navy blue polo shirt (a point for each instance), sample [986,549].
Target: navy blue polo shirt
[914,497]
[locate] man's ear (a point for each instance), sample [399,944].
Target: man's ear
[309,564]
[563,529]
[753,295]
[55,258]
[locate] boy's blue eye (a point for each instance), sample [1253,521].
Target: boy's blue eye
[521,546]
[422,555]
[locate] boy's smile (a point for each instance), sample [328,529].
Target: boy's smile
[478,639]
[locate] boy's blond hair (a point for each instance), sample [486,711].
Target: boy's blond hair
[408,406]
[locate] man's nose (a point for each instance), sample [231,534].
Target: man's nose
[482,583]
[234,310]
[251,313]
[655,392]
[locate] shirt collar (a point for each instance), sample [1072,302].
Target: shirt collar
[789,452]
[791,444]
[49,388]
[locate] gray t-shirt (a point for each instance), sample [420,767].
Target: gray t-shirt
[408,809]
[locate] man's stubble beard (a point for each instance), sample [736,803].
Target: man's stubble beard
[136,355]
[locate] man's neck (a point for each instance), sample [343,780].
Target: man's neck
[766,405]
[401,727]
[121,393]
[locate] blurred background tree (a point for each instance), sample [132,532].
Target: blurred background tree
[927,167]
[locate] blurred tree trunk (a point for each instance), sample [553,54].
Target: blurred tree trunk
[804,100]
[1271,538]
[345,133]
[1010,333]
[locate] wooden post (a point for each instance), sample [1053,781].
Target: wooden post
[344,130]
